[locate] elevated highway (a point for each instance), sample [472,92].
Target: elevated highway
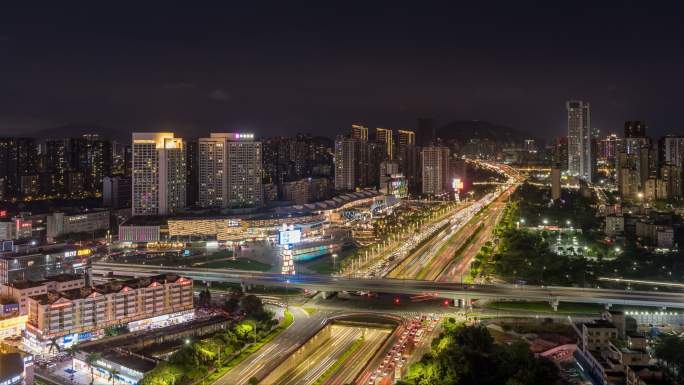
[453,290]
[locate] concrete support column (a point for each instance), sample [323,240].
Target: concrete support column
[554,304]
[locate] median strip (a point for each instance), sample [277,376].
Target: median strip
[340,361]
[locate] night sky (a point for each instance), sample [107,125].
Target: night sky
[278,69]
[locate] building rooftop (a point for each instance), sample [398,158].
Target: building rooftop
[38,251]
[129,361]
[107,288]
[53,278]
[599,324]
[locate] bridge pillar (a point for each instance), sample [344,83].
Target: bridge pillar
[554,304]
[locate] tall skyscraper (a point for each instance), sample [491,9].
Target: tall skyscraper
[230,171]
[405,138]
[18,158]
[351,163]
[159,173]
[359,132]
[435,170]
[581,161]
[408,155]
[672,150]
[191,172]
[384,137]
[609,148]
[425,134]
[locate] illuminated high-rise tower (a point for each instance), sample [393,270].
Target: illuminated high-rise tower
[230,171]
[359,132]
[384,137]
[158,173]
[581,161]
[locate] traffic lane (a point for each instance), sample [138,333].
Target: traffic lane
[359,359]
[445,289]
[323,358]
[301,329]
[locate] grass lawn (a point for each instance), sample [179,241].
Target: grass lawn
[310,310]
[287,321]
[324,264]
[239,263]
[545,307]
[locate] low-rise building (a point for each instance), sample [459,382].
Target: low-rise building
[15,228]
[661,236]
[12,325]
[36,266]
[615,225]
[665,238]
[70,223]
[20,291]
[16,366]
[644,375]
[72,316]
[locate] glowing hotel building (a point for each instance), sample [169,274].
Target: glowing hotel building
[158,173]
[230,171]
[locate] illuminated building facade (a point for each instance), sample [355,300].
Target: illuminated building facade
[230,171]
[15,267]
[384,137]
[72,316]
[71,223]
[351,162]
[20,291]
[359,132]
[159,173]
[581,160]
[435,170]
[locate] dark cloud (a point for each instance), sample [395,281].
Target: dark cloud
[180,86]
[219,94]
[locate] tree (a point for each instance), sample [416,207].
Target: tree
[112,375]
[669,349]
[252,306]
[253,381]
[204,298]
[54,346]
[91,358]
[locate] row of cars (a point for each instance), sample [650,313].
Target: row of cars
[394,364]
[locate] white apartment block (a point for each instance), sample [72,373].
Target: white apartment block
[351,161]
[70,223]
[91,309]
[230,171]
[159,173]
[435,169]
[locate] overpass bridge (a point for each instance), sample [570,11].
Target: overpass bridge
[452,290]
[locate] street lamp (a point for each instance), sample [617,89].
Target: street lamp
[546,221]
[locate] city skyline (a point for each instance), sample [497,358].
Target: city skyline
[340,193]
[212,70]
